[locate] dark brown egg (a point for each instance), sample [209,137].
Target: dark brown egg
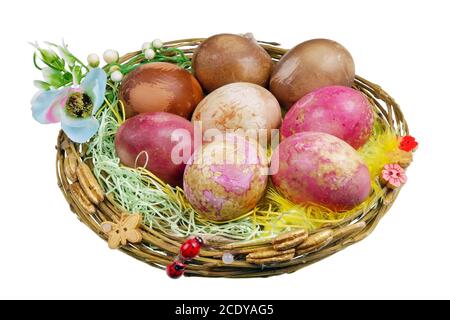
[160,86]
[308,66]
[228,58]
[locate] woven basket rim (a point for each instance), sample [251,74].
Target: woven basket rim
[158,249]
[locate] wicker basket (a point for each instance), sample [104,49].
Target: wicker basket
[159,249]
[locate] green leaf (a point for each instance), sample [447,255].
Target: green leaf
[48,55]
[53,77]
[35,62]
[67,55]
[42,85]
[67,76]
[60,63]
[77,74]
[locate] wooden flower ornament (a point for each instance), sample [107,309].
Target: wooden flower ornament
[123,232]
[393,175]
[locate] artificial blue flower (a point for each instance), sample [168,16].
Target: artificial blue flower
[74,107]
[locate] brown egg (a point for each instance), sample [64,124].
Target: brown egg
[228,58]
[308,66]
[160,86]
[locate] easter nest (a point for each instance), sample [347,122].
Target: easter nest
[276,237]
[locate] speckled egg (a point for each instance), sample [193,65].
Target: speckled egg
[316,167]
[226,177]
[340,111]
[160,86]
[240,106]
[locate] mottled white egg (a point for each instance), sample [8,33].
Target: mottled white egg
[239,106]
[226,177]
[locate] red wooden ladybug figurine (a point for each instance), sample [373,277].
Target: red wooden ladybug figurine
[175,269]
[188,250]
[191,248]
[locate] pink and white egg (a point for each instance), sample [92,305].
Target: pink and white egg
[226,178]
[318,168]
[340,111]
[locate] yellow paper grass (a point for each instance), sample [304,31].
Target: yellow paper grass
[283,214]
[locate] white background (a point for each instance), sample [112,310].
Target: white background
[402,45]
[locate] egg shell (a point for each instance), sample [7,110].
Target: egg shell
[240,105]
[340,111]
[226,177]
[308,66]
[227,58]
[318,168]
[160,86]
[150,135]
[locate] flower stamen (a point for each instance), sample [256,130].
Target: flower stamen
[79,105]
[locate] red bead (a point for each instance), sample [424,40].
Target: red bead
[191,248]
[175,269]
[408,144]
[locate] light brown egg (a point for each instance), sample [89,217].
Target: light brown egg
[227,58]
[160,86]
[308,66]
[240,106]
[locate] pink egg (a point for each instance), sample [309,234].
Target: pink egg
[340,111]
[315,167]
[162,142]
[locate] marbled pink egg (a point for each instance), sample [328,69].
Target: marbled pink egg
[340,111]
[315,167]
[226,178]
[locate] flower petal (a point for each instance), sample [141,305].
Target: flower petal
[94,84]
[403,179]
[83,131]
[46,106]
[70,121]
